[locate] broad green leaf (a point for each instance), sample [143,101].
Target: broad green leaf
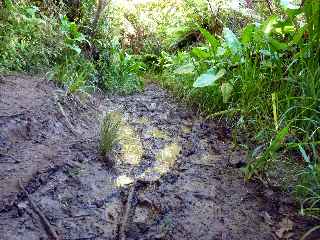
[277,142]
[261,162]
[304,154]
[269,24]
[31,11]
[232,41]
[185,69]
[208,78]
[226,90]
[75,48]
[210,38]
[221,51]
[278,45]
[247,34]
[297,37]
[200,53]
[288,29]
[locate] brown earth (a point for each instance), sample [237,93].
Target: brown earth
[186,176]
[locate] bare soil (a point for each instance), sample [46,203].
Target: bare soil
[182,173]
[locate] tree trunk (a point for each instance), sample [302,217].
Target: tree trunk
[101,5]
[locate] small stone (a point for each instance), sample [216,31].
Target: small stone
[160,236]
[237,161]
[22,206]
[99,203]
[152,107]
[141,215]
[285,226]
[142,218]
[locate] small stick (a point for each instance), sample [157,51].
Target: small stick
[124,222]
[69,125]
[203,164]
[269,6]
[13,115]
[5,162]
[50,231]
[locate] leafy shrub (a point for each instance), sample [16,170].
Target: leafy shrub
[75,73]
[28,41]
[119,71]
[78,51]
[73,70]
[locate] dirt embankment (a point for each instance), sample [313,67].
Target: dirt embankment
[187,184]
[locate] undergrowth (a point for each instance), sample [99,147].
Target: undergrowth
[256,65]
[68,41]
[29,41]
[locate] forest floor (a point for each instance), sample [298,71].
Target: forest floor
[172,175]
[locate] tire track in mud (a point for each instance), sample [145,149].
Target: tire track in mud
[187,187]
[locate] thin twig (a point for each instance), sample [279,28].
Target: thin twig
[214,15]
[6,162]
[269,6]
[124,222]
[203,164]
[13,115]
[86,238]
[7,81]
[50,231]
[69,125]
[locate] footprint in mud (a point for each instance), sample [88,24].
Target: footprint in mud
[132,151]
[177,162]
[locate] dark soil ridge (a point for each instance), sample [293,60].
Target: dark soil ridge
[188,184]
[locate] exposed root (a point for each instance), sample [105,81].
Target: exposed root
[50,231]
[69,125]
[126,214]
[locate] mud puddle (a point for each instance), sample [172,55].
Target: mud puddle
[182,167]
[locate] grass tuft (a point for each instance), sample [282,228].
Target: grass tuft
[108,135]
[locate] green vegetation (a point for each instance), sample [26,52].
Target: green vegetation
[254,64]
[108,135]
[71,41]
[28,41]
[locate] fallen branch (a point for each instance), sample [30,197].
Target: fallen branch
[124,222]
[69,125]
[50,231]
[13,115]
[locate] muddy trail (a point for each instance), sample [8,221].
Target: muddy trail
[172,175]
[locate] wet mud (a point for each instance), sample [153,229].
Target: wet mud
[181,170]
